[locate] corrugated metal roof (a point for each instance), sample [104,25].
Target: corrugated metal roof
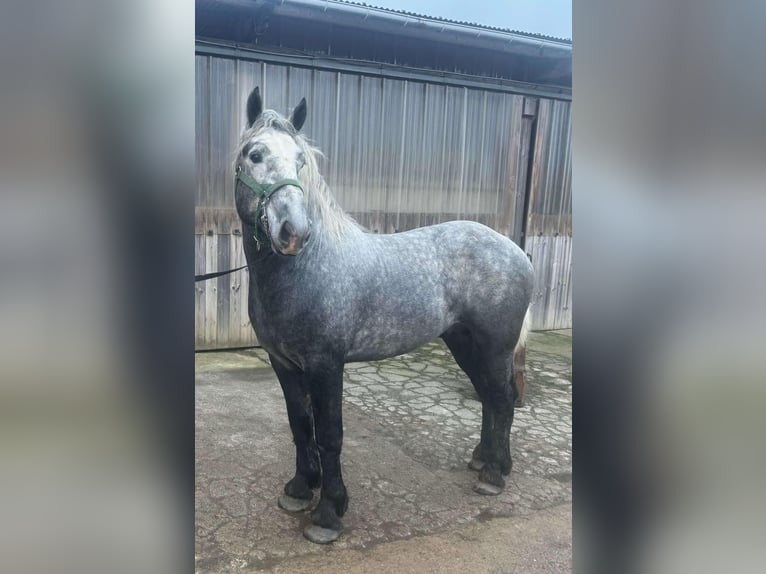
[461,22]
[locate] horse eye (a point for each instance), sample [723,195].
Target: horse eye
[256,157]
[301,160]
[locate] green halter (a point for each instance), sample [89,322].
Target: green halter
[264,191]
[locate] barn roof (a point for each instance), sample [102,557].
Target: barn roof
[461,22]
[354,31]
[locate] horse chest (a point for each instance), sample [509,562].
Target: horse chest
[282,329]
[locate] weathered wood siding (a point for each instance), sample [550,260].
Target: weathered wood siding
[399,154]
[549,218]
[220,317]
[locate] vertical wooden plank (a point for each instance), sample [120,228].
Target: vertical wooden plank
[480,171]
[347,149]
[550,249]
[543,274]
[247,334]
[274,88]
[444,159]
[540,280]
[202,128]
[402,154]
[561,282]
[235,309]
[224,131]
[521,179]
[423,189]
[569,302]
[463,131]
[211,308]
[530,248]
[556,281]
[549,280]
[566,316]
[334,167]
[246,327]
[199,292]
[543,114]
[530,106]
[223,295]
[507,205]
[541,250]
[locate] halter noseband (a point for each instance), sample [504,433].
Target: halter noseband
[264,191]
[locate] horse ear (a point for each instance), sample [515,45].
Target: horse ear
[299,115]
[254,106]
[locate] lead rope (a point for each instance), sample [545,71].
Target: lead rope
[207,276]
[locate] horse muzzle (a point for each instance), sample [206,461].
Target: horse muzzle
[291,238]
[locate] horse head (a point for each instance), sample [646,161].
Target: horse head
[269,194]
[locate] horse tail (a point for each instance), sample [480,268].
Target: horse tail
[524,332]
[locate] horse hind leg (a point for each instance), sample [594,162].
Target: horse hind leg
[462,344]
[491,374]
[459,341]
[497,392]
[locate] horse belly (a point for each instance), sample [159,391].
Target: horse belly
[388,335]
[386,348]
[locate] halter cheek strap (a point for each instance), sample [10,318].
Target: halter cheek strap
[264,191]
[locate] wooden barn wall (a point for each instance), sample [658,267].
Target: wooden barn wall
[398,155]
[549,218]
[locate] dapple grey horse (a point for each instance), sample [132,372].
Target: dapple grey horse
[323,292]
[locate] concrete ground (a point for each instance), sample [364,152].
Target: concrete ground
[410,425]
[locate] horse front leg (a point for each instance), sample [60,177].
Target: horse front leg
[297,492]
[326,389]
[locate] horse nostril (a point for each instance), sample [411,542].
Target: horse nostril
[287,232]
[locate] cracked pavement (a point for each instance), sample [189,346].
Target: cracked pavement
[411,423]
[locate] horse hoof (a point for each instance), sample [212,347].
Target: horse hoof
[319,535]
[291,504]
[487,489]
[476,464]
